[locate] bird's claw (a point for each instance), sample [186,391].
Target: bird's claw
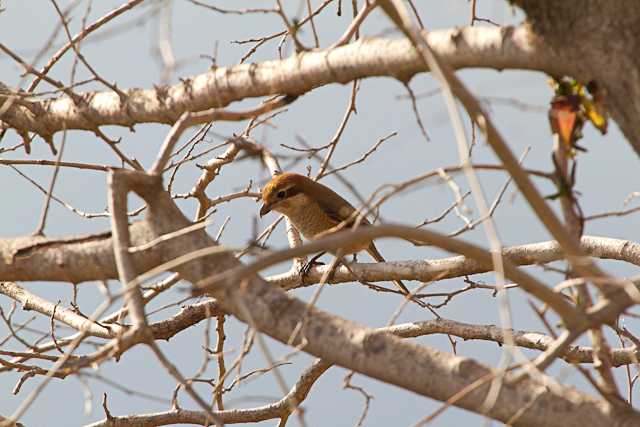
[306,268]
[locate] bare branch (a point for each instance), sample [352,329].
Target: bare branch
[466,47]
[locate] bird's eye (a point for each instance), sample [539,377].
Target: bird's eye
[280,194]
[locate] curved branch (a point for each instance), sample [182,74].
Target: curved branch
[278,409]
[496,48]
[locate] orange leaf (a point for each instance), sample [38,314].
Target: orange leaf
[563,120]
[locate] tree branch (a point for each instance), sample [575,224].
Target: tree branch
[86,258]
[506,48]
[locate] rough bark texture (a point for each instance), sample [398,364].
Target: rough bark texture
[599,40]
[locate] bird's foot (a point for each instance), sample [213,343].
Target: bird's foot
[306,268]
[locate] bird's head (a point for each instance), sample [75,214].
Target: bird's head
[279,193]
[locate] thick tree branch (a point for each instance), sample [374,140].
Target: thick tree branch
[86,258]
[507,48]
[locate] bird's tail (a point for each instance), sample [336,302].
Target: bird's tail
[375,254]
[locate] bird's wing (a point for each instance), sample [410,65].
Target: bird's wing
[337,208]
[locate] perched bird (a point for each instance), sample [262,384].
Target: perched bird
[314,209]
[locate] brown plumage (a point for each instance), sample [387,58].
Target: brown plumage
[314,209]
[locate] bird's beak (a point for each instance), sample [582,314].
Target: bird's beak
[265,209]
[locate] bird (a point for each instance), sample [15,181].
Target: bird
[314,209]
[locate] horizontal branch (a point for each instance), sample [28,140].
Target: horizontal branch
[87,258]
[184,416]
[524,339]
[73,259]
[486,47]
[460,266]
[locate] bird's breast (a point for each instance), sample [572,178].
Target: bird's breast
[307,216]
[311,220]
